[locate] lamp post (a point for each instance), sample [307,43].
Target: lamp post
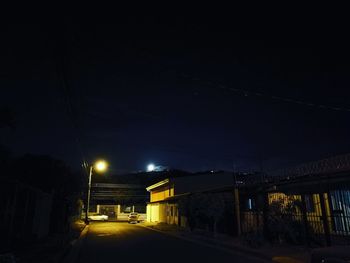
[99,166]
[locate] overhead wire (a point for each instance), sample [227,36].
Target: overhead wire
[246,93]
[68,101]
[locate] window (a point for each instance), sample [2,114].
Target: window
[249,204]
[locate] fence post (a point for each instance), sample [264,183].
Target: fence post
[326,229]
[305,221]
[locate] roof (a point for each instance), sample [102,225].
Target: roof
[156,185]
[125,186]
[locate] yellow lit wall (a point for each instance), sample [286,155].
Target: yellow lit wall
[153,213]
[157,211]
[162,193]
[172,190]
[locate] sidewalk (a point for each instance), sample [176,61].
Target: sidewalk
[72,254]
[275,253]
[51,249]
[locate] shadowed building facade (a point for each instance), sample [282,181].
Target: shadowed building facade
[118,200]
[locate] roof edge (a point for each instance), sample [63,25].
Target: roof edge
[153,186]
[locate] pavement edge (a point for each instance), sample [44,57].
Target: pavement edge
[73,251]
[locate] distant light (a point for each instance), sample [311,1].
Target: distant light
[150,167]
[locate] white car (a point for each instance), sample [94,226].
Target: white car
[134,217]
[98,217]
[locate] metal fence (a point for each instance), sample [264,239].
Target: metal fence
[313,218]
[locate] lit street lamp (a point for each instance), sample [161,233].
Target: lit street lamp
[99,166]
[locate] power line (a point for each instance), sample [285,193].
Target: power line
[246,93]
[67,97]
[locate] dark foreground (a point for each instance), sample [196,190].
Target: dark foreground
[117,242]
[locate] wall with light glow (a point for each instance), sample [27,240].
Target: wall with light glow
[161,193]
[157,213]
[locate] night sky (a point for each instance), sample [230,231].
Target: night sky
[179,92]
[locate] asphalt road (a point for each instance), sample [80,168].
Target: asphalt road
[122,242]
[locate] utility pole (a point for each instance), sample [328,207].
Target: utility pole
[88,197]
[99,166]
[236,202]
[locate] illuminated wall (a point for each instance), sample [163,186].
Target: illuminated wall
[161,193]
[157,212]
[153,213]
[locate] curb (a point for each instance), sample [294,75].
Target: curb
[72,253]
[285,260]
[214,244]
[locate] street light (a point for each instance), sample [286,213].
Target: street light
[99,166]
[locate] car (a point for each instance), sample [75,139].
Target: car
[98,217]
[134,217]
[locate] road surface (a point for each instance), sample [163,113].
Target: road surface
[108,242]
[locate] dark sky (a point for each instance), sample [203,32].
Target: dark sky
[177,91]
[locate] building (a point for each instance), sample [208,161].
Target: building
[166,195]
[311,203]
[118,195]
[28,213]
[118,200]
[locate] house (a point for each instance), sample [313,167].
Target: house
[166,195]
